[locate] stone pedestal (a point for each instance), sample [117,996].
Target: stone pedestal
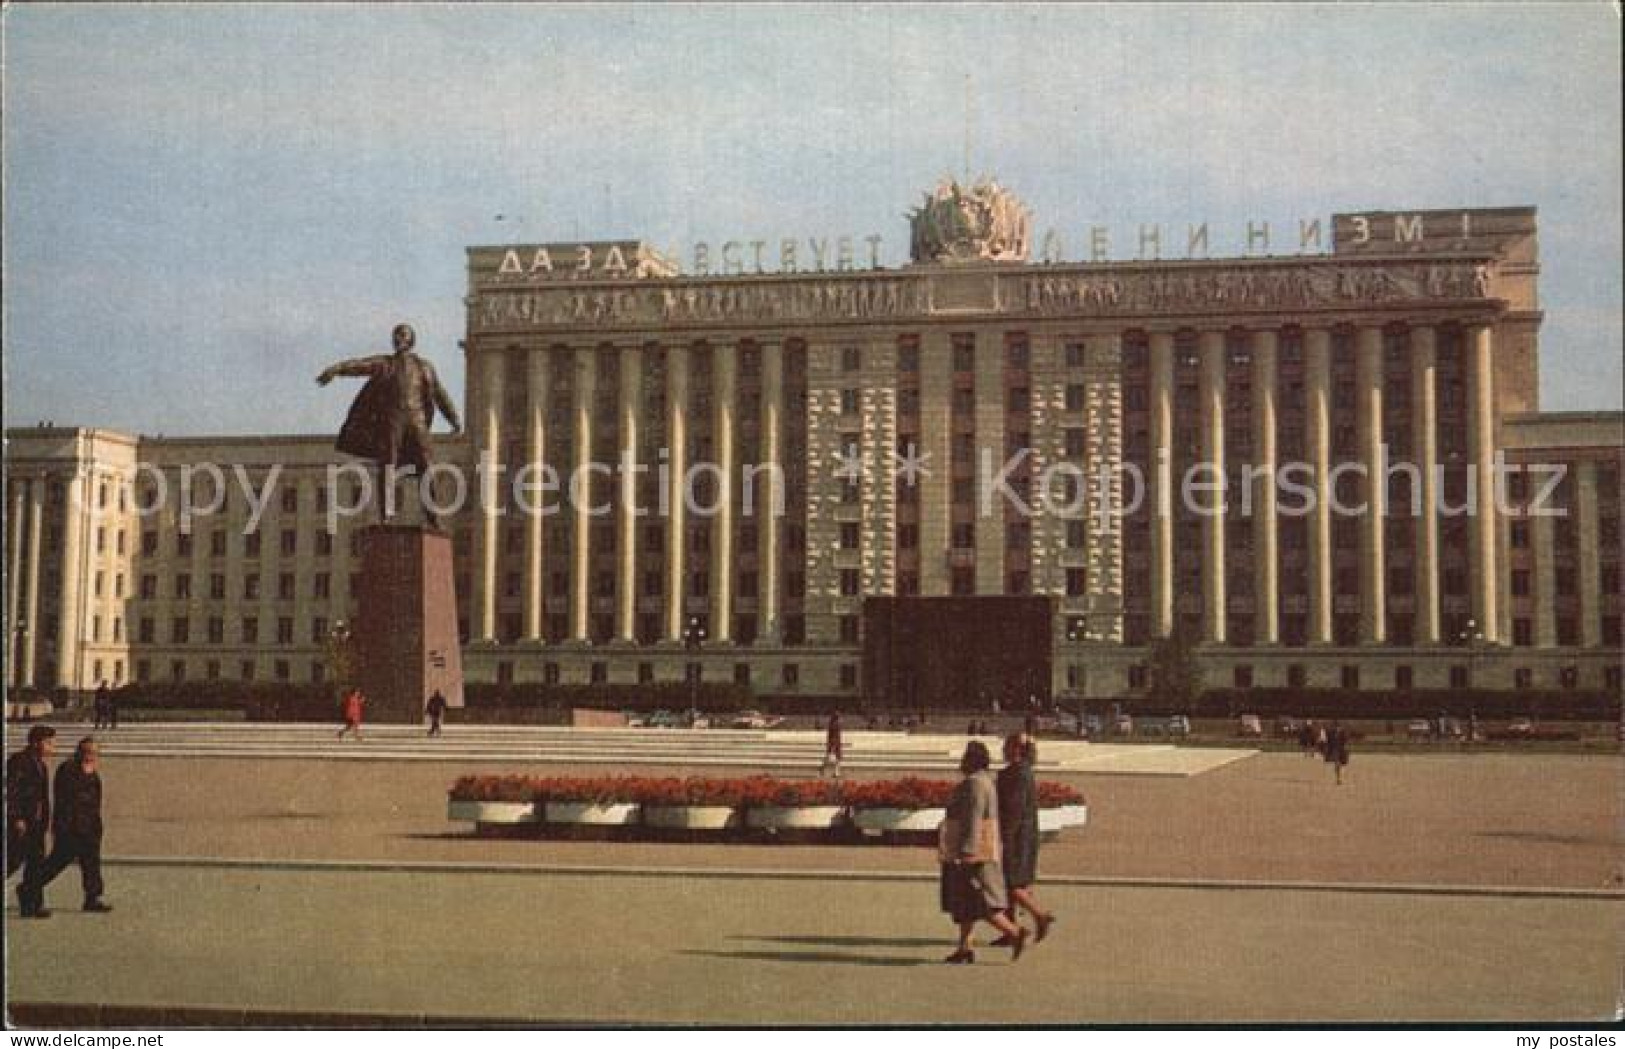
[406,623]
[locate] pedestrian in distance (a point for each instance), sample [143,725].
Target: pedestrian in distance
[968,848]
[354,704]
[101,702]
[28,816]
[112,709]
[1018,834]
[834,747]
[1337,749]
[77,824]
[436,710]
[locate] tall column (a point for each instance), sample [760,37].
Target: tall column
[770,490]
[538,396]
[724,369]
[626,532]
[581,491]
[677,445]
[989,415]
[1585,506]
[73,532]
[15,536]
[1481,450]
[936,441]
[1210,356]
[1545,594]
[36,550]
[1425,448]
[1162,484]
[1266,533]
[488,446]
[1318,387]
[1373,580]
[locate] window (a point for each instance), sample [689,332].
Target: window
[284,630]
[790,675]
[742,674]
[1523,678]
[646,673]
[1074,397]
[322,585]
[1351,677]
[217,543]
[285,584]
[217,586]
[1404,678]
[149,587]
[1460,677]
[290,542]
[290,500]
[1137,677]
[251,586]
[149,543]
[1077,582]
[849,630]
[849,401]
[964,350]
[1077,442]
[318,630]
[180,630]
[851,358]
[849,677]
[1019,399]
[183,585]
[908,359]
[599,672]
[850,583]
[217,630]
[1243,677]
[964,535]
[1074,355]
[251,630]
[849,535]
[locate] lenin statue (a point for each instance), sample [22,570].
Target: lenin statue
[390,419]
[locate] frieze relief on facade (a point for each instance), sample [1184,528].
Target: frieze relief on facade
[1032,290]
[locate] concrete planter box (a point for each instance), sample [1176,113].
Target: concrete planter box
[899,821]
[691,817]
[1051,820]
[799,817]
[494,812]
[593,814]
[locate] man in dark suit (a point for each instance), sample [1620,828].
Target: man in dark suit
[28,815]
[78,825]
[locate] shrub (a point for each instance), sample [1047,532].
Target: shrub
[908,793]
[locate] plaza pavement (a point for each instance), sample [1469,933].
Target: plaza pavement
[699,749]
[265,943]
[1445,887]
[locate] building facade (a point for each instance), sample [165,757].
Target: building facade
[781,459]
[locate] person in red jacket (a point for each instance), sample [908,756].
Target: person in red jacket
[354,703]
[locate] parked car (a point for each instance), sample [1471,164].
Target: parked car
[1419,728]
[1123,725]
[1179,725]
[665,719]
[1094,726]
[1249,725]
[752,719]
[1521,727]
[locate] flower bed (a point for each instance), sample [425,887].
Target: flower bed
[698,803]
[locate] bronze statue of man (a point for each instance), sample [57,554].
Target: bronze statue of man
[390,419]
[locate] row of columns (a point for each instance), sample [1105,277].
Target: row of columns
[489,443]
[1211,350]
[25,552]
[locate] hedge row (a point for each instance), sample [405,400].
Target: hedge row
[1547,704]
[711,696]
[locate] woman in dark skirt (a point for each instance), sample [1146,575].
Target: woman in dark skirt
[972,880]
[1018,829]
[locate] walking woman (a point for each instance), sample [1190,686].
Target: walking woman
[972,880]
[1018,830]
[1337,749]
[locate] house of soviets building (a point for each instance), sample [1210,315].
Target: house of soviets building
[893,413]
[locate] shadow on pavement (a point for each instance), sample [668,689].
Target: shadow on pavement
[853,941]
[815,957]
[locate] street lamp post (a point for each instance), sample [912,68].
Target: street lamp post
[693,638]
[1473,638]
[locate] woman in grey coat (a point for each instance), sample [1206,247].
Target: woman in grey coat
[972,879]
[1018,828]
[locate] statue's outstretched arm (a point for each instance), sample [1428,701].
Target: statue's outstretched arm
[367,366]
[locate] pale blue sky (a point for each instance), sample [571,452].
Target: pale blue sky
[204,205]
